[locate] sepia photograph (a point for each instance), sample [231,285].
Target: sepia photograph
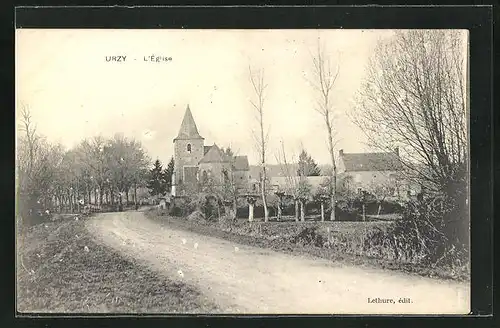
[242,172]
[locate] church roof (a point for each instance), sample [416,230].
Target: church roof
[206,149]
[214,155]
[188,128]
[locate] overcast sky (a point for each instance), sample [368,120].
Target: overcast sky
[73,93]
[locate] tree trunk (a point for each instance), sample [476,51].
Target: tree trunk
[322,211]
[250,212]
[126,194]
[135,196]
[100,195]
[302,210]
[364,215]
[263,193]
[58,197]
[77,199]
[70,198]
[333,197]
[280,213]
[120,204]
[235,209]
[296,210]
[90,196]
[85,194]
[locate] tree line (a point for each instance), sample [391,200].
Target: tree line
[98,171]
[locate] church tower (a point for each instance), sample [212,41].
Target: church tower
[188,151]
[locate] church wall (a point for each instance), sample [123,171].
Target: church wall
[215,169]
[182,157]
[241,179]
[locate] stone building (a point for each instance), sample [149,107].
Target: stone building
[197,164]
[377,173]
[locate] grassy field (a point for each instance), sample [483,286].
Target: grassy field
[62,269]
[337,241]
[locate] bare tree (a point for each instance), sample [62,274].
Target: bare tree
[257,80]
[415,97]
[232,188]
[36,164]
[27,146]
[323,81]
[292,180]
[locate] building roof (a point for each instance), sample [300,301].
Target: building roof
[206,149]
[371,162]
[240,163]
[214,155]
[274,170]
[285,183]
[188,128]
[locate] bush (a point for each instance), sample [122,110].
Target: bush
[176,211]
[310,236]
[424,235]
[372,207]
[197,217]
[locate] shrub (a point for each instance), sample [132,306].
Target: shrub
[197,217]
[310,236]
[424,235]
[176,211]
[343,214]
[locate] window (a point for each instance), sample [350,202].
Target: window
[359,191]
[189,148]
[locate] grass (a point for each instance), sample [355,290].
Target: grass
[345,244]
[57,275]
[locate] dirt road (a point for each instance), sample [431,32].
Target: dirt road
[243,279]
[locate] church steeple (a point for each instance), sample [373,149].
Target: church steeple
[188,128]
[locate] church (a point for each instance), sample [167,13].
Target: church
[195,164]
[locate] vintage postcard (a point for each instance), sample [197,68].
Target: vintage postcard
[242,171]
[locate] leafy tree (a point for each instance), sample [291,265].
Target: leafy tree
[156,182]
[127,161]
[94,154]
[167,174]
[307,166]
[304,189]
[229,152]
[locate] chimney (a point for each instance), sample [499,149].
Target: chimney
[396,150]
[341,153]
